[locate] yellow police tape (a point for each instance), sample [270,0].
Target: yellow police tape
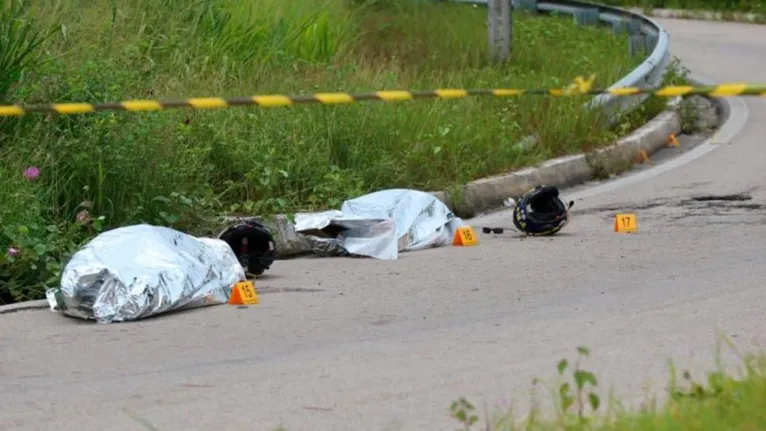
[580,86]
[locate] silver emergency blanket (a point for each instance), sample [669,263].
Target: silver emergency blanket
[380,225]
[138,271]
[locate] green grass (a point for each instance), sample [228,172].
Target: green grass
[721,402]
[179,168]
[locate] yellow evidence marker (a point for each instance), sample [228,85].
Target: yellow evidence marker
[673,141]
[625,223]
[464,236]
[243,293]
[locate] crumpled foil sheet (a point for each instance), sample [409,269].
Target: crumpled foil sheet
[134,272]
[356,236]
[380,225]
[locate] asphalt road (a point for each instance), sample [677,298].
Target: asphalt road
[363,344]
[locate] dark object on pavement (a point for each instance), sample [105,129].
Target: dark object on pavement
[253,245]
[540,212]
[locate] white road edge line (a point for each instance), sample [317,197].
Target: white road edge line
[738,115]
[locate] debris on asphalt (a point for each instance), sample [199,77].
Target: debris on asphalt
[134,272]
[538,212]
[253,245]
[380,225]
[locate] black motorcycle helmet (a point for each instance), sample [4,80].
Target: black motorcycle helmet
[253,245]
[540,212]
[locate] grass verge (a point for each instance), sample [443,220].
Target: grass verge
[64,179]
[721,402]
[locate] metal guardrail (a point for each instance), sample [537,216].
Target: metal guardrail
[644,34]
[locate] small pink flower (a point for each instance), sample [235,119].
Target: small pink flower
[31,173]
[12,251]
[83,217]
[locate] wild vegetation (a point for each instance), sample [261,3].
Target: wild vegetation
[65,178]
[721,401]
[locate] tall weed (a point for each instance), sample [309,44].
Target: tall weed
[19,40]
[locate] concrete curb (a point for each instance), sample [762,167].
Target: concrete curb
[702,15]
[489,193]
[26,305]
